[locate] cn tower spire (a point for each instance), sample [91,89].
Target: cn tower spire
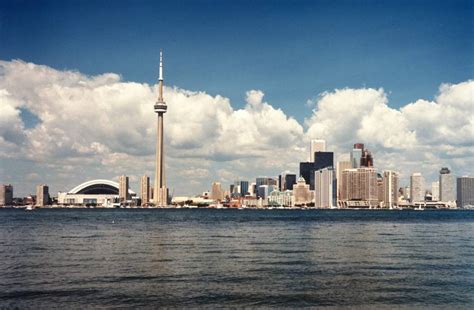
[160,197]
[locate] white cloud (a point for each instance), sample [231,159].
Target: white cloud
[101,126]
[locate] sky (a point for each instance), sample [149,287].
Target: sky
[248,84]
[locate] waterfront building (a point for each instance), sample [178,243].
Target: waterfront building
[252,189]
[446,185]
[324,188]
[281,198]
[100,192]
[302,193]
[6,195]
[341,166]
[316,145]
[42,195]
[244,188]
[216,192]
[380,188]
[465,192]
[417,192]
[390,184]
[359,187]
[435,191]
[160,190]
[286,181]
[321,160]
[123,188]
[145,189]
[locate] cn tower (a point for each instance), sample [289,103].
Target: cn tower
[160,197]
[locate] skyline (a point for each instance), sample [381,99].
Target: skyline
[57,125]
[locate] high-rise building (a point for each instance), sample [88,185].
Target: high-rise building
[321,160]
[302,193]
[264,191]
[42,195]
[216,191]
[446,185]
[316,145]
[160,190]
[6,195]
[324,188]
[341,166]
[360,185]
[465,192]
[366,159]
[286,181]
[390,192]
[145,189]
[123,188]
[417,193]
[356,155]
[244,188]
[264,181]
[435,191]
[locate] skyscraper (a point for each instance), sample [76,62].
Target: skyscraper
[356,155]
[316,145]
[341,166]
[360,185]
[42,195]
[465,192]
[390,183]
[435,191]
[123,188]
[216,191]
[324,188]
[6,195]
[145,189]
[321,160]
[244,188]
[160,191]
[416,187]
[446,185]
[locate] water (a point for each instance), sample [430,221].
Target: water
[136,258]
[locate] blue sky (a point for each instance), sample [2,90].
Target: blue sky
[293,51]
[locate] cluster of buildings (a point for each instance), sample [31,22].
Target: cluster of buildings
[354,183]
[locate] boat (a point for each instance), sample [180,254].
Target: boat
[29,208]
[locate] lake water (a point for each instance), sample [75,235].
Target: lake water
[132,258]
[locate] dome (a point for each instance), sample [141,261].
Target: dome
[98,187]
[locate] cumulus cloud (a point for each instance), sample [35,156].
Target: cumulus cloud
[103,125]
[100,126]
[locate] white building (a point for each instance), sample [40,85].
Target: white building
[435,191]
[417,193]
[390,190]
[446,186]
[323,186]
[316,145]
[285,198]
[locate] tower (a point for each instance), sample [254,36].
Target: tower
[160,190]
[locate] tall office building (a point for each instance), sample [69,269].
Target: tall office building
[242,188]
[123,188]
[6,195]
[160,190]
[145,189]
[360,185]
[264,181]
[341,166]
[321,160]
[286,181]
[324,188]
[316,145]
[390,192]
[366,159]
[435,191]
[465,192]
[417,193]
[302,193]
[356,155]
[446,185]
[42,195]
[216,191]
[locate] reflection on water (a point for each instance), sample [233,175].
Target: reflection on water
[197,258]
